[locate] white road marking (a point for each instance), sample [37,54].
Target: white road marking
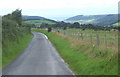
[44,35]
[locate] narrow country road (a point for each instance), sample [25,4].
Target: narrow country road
[39,58]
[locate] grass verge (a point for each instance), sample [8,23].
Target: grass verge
[13,48]
[84,59]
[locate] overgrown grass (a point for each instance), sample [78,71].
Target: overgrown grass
[107,39]
[82,58]
[13,48]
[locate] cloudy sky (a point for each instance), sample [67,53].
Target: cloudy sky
[60,9]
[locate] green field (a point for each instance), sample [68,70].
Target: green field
[83,58]
[103,39]
[13,48]
[39,22]
[116,24]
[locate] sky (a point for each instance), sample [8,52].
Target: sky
[60,9]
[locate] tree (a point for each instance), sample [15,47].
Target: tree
[49,29]
[75,25]
[64,28]
[16,16]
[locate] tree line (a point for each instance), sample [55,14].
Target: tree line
[65,25]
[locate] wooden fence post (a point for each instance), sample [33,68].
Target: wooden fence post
[98,40]
[64,32]
[82,36]
[105,40]
[78,35]
[116,39]
[91,38]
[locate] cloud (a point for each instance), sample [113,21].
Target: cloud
[50,4]
[59,8]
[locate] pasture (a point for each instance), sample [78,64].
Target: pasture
[101,39]
[39,22]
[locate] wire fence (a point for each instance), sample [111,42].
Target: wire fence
[106,39]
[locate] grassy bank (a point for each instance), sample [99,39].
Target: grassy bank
[82,58]
[12,49]
[15,36]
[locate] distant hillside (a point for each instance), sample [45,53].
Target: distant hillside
[37,20]
[33,18]
[103,20]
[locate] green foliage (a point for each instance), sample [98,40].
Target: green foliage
[49,29]
[65,28]
[11,49]
[16,16]
[13,26]
[75,25]
[13,32]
